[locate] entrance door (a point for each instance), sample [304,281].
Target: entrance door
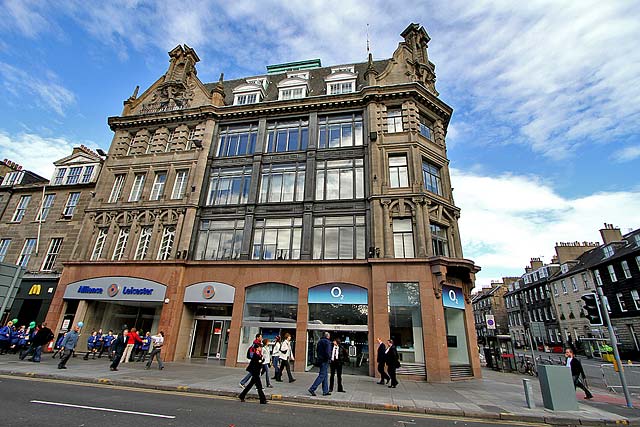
[356,344]
[210,338]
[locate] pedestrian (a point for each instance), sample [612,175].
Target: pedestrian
[58,347]
[577,372]
[68,345]
[23,339]
[41,338]
[323,355]
[119,345]
[392,361]
[92,342]
[286,356]
[5,337]
[254,368]
[382,349]
[275,358]
[16,336]
[144,347]
[132,339]
[266,356]
[250,351]
[158,342]
[339,355]
[107,340]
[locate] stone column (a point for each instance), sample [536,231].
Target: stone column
[301,329]
[435,337]
[420,227]
[236,325]
[387,229]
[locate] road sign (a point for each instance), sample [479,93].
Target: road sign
[491,321]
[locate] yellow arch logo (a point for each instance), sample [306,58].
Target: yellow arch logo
[35,289]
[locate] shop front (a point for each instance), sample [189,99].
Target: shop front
[405,326]
[113,303]
[211,305]
[342,310]
[454,316]
[32,300]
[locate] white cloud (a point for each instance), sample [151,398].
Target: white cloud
[34,152]
[507,220]
[627,154]
[47,93]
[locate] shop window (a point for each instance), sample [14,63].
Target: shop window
[277,238]
[340,179]
[405,321]
[229,186]
[439,240]
[282,183]
[403,238]
[340,237]
[219,239]
[340,131]
[287,136]
[338,304]
[237,140]
[271,302]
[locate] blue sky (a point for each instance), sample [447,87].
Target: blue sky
[544,142]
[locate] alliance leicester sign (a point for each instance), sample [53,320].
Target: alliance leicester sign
[116,288]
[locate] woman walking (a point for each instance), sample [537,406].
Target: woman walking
[266,361]
[286,355]
[254,368]
[275,358]
[393,362]
[158,342]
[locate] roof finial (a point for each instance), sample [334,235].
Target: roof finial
[368,51]
[221,77]
[135,92]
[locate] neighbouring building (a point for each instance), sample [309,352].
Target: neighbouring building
[302,200]
[491,302]
[40,225]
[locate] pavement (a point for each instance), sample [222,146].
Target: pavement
[497,396]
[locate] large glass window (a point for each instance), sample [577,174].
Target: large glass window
[219,239]
[52,254]
[403,238]
[271,302]
[398,171]
[284,136]
[338,304]
[229,186]
[27,250]
[47,203]
[439,240]
[237,140]
[21,208]
[282,183]
[340,179]
[340,131]
[426,128]
[277,238]
[341,237]
[431,177]
[405,321]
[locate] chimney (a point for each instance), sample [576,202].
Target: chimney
[536,263]
[610,234]
[569,251]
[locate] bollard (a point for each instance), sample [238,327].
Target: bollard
[528,393]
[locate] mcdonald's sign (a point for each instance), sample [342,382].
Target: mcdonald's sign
[35,289]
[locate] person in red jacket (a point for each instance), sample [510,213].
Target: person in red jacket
[132,339]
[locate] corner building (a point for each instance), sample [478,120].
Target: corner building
[304,200]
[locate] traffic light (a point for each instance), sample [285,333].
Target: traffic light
[592,308]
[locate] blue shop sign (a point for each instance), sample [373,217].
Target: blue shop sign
[338,293]
[116,288]
[452,297]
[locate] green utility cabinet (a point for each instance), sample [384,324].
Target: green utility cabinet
[556,385]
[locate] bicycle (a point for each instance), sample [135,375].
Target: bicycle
[526,366]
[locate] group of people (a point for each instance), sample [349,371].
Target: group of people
[99,343]
[25,339]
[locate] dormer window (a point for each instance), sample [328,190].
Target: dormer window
[295,86]
[250,92]
[608,251]
[247,98]
[12,178]
[341,80]
[293,93]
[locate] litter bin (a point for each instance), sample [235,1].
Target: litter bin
[556,385]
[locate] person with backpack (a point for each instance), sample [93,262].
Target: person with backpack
[286,355]
[250,351]
[254,368]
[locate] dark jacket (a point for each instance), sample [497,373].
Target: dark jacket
[119,344]
[381,355]
[392,359]
[576,368]
[70,340]
[43,336]
[255,366]
[323,350]
[343,355]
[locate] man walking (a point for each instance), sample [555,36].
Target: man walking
[577,372]
[118,346]
[158,342]
[323,355]
[42,337]
[68,344]
[381,359]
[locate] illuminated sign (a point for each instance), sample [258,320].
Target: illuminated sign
[35,289]
[116,288]
[452,297]
[338,293]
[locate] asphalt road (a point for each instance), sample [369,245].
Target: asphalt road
[37,402]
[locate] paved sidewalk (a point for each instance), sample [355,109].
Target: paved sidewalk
[496,396]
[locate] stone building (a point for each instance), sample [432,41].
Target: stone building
[40,224]
[490,301]
[303,200]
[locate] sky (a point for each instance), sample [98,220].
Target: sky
[544,142]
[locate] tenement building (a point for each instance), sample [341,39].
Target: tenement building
[303,200]
[39,226]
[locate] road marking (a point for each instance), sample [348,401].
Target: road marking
[68,405]
[283,403]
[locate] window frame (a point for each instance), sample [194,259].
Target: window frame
[612,273]
[121,244]
[213,232]
[138,187]
[98,246]
[21,208]
[328,172]
[428,177]
[4,248]
[71,204]
[404,235]
[73,177]
[340,131]
[49,261]
[621,303]
[116,189]
[398,174]
[394,120]
[625,269]
[144,242]
[26,252]
[340,226]
[166,243]
[268,183]
[159,184]
[438,241]
[181,189]
[240,177]
[262,228]
[45,207]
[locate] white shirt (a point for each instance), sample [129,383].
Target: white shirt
[334,355]
[569,359]
[158,340]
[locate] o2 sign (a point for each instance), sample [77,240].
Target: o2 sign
[452,297]
[336,292]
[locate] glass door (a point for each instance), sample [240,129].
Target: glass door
[216,340]
[210,338]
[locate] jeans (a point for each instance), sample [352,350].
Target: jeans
[246,378]
[155,353]
[276,367]
[265,370]
[322,378]
[35,349]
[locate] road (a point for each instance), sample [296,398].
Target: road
[38,402]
